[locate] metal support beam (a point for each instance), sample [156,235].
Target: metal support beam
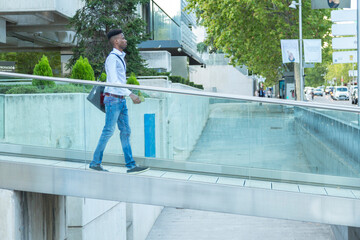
[39,28]
[48,16]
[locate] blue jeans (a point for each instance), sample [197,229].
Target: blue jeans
[116,112]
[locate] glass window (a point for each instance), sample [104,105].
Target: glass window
[171,8]
[164,27]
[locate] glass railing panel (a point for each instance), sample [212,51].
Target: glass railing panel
[192,131]
[44,119]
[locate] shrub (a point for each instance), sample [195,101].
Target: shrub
[199,86]
[132,80]
[82,70]
[43,69]
[67,88]
[23,89]
[175,79]
[103,77]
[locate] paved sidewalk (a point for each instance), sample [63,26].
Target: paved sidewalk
[184,224]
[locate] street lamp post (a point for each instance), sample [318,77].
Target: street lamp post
[301,70]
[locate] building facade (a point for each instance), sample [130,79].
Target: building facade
[170,29]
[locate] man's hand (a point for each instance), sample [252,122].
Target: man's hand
[135,99]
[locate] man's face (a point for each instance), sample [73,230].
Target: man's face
[120,41]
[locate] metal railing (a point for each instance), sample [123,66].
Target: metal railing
[194,93]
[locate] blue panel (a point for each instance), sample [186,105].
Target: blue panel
[149,134]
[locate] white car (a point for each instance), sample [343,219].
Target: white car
[318,92]
[341,93]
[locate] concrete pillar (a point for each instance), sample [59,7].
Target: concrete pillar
[32,216]
[9,226]
[65,57]
[2,30]
[346,233]
[92,219]
[180,66]
[143,219]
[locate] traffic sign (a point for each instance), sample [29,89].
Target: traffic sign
[309,65]
[344,43]
[352,73]
[343,29]
[343,16]
[345,57]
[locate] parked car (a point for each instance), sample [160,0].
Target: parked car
[340,93]
[354,96]
[318,92]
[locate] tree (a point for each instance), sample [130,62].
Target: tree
[315,76]
[43,69]
[95,19]
[82,70]
[249,32]
[339,71]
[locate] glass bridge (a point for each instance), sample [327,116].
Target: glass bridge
[207,151]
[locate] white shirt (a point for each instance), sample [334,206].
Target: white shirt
[116,72]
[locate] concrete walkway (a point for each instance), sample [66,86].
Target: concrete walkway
[183,224]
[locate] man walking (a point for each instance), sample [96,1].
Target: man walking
[115,105]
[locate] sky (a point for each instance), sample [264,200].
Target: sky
[353,4]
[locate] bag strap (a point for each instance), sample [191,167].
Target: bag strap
[120,60]
[102,70]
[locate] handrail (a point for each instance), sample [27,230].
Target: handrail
[192,92]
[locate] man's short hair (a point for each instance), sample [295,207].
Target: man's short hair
[113,32]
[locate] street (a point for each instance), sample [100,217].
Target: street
[348,117]
[328,100]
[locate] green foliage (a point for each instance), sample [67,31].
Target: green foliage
[315,76]
[179,79]
[249,32]
[60,88]
[201,47]
[68,88]
[132,79]
[43,69]
[103,77]
[176,79]
[95,19]
[82,70]
[338,71]
[23,89]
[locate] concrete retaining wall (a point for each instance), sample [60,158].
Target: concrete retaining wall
[222,79]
